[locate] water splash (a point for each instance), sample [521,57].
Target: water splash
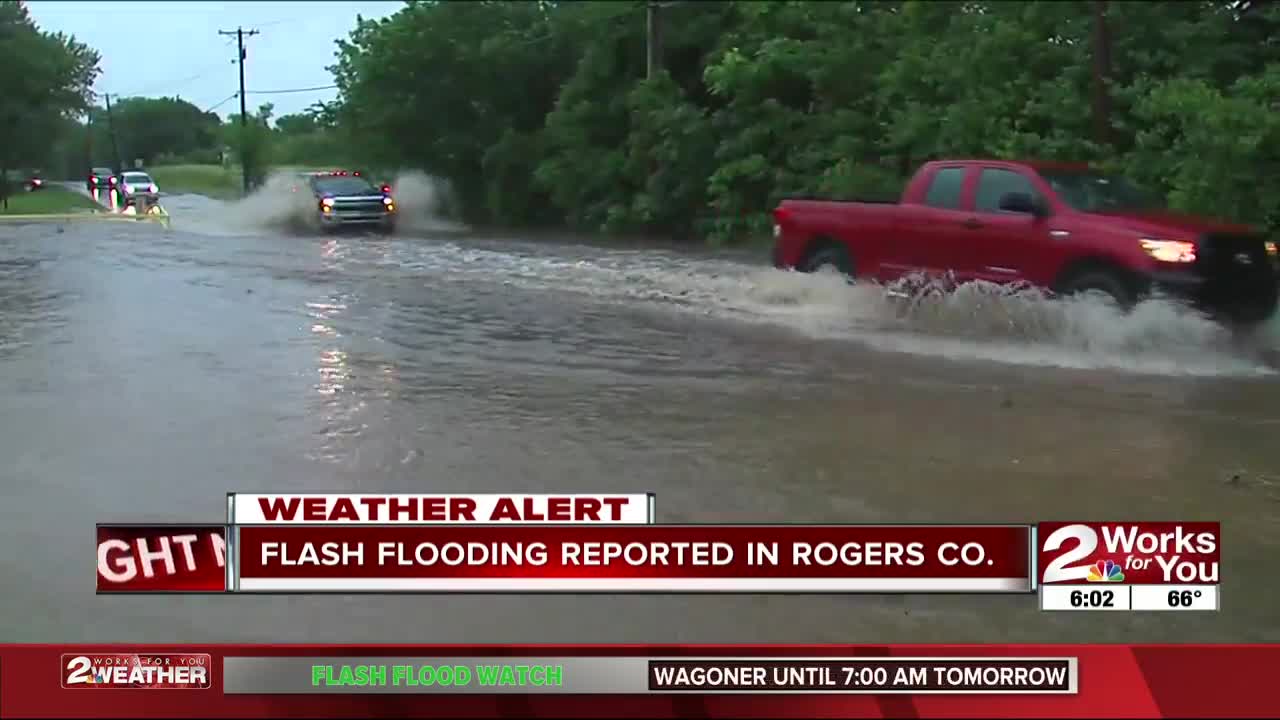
[283,205]
[977,321]
[421,199]
[1009,324]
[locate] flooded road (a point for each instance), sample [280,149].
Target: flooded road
[144,374]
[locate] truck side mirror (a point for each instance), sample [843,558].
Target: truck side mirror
[1022,203]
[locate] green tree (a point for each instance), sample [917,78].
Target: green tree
[251,143]
[47,78]
[148,128]
[542,112]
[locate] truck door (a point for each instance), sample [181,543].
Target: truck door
[1003,244]
[932,238]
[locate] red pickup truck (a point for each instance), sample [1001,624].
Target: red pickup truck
[1060,227]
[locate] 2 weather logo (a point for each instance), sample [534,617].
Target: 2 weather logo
[152,671]
[1134,553]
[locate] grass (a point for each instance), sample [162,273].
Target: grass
[52,200]
[214,181]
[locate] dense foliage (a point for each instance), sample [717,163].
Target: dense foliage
[544,112]
[549,112]
[45,84]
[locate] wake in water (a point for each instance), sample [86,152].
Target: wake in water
[975,321]
[1021,325]
[283,205]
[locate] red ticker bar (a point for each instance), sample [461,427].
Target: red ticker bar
[1106,681]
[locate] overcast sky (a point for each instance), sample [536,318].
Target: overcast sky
[173,48]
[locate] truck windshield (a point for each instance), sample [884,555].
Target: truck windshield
[1092,193]
[344,186]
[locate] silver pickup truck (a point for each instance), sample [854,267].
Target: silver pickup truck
[347,199]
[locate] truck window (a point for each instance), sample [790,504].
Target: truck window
[994,183]
[944,190]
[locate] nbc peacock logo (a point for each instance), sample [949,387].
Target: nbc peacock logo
[1105,571]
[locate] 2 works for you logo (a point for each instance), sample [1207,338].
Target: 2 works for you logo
[1135,553]
[136,671]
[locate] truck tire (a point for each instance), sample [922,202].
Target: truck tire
[1102,283]
[834,257]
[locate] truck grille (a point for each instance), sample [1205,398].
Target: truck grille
[360,206]
[1239,277]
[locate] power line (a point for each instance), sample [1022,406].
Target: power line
[281,21]
[153,88]
[228,99]
[291,90]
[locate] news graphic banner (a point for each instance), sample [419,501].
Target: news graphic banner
[1118,566]
[543,543]
[634,680]
[646,675]
[612,543]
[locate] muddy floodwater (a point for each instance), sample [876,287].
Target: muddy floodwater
[145,373]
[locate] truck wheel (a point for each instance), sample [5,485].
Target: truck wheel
[1102,284]
[830,257]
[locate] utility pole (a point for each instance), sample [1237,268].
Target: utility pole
[111,130]
[654,59]
[240,34]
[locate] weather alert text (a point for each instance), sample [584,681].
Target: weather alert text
[1133,553]
[136,671]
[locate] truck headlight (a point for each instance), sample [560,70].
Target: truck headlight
[1171,251]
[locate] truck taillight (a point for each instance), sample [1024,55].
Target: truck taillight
[386,189]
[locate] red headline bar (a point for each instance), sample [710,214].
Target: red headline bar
[162,558]
[650,558]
